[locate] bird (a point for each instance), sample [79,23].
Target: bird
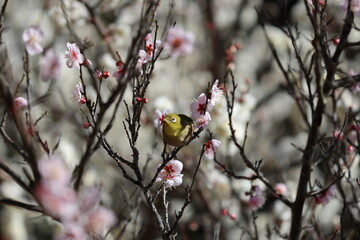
[177,129]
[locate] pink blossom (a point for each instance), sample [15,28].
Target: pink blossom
[199,107]
[171,174]
[210,148]
[20,103]
[257,198]
[178,42]
[73,56]
[159,118]
[78,94]
[203,120]
[32,37]
[324,197]
[216,94]
[50,66]
[100,221]
[281,189]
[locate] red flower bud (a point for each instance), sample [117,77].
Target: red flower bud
[106,74]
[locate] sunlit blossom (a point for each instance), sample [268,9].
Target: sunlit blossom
[73,56]
[32,37]
[216,94]
[199,106]
[171,174]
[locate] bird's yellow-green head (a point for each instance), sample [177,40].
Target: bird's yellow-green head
[177,129]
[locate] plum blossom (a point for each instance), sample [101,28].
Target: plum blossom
[32,37]
[20,103]
[159,117]
[79,213]
[324,197]
[147,54]
[257,197]
[210,148]
[216,94]
[203,120]
[199,107]
[50,66]
[178,42]
[171,174]
[73,56]
[78,94]
[59,201]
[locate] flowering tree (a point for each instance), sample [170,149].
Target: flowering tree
[259,99]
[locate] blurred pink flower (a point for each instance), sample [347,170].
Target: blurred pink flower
[171,174]
[32,37]
[355,6]
[100,221]
[281,189]
[159,117]
[53,169]
[59,201]
[210,147]
[324,197]
[178,42]
[50,65]
[20,103]
[73,56]
[257,198]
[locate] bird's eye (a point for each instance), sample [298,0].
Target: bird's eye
[173,119]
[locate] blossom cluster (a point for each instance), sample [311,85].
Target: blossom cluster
[80,213]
